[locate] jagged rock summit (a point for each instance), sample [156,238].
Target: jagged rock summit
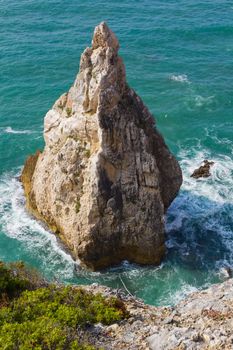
[105,177]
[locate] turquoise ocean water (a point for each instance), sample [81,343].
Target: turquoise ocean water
[178,57]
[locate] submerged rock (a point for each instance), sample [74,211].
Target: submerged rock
[105,177]
[203,170]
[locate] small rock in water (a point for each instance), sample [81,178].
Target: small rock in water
[226,272]
[203,170]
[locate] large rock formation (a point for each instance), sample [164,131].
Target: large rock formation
[105,177]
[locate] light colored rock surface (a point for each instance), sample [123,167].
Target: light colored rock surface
[203,321]
[105,177]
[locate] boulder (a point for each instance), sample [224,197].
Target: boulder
[203,170]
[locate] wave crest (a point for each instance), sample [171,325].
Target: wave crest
[10,130]
[181,78]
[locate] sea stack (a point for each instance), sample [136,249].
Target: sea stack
[106,176]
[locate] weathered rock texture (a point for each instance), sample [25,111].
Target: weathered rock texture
[105,177]
[203,321]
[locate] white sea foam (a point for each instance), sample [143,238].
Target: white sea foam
[17,224]
[174,298]
[181,78]
[212,134]
[218,187]
[195,101]
[10,130]
[203,212]
[203,101]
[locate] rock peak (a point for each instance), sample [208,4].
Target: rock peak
[104,37]
[101,71]
[106,176]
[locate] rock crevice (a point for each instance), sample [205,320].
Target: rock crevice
[106,176]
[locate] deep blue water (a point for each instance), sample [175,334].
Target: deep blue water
[178,57]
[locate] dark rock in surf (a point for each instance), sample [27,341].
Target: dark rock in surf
[203,170]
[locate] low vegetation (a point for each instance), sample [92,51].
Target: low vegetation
[87,153]
[77,205]
[49,317]
[68,112]
[16,278]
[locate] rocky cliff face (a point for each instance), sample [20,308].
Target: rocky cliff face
[203,321]
[105,177]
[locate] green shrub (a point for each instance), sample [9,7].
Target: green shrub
[68,112]
[87,153]
[77,205]
[48,318]
[15,278]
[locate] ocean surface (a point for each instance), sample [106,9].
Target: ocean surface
[178,57]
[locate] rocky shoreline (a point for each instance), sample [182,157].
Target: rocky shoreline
[35,313]
[203,321]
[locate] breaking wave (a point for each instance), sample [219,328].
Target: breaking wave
[200,220]
[181,78]
[38,243]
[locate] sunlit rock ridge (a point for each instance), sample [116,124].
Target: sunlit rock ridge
[106,176]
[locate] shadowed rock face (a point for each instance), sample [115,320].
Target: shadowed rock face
[105,177]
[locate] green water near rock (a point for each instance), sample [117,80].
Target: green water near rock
[178,57]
